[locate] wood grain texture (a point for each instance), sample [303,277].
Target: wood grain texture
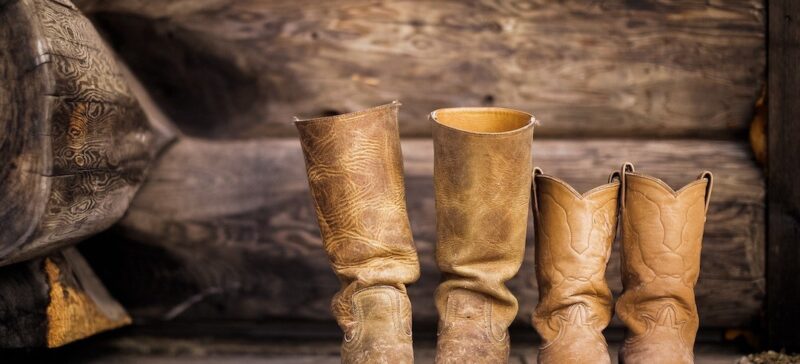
[588,68]
[75,145]
[251,250]
[189,347]
[783,199]
[52,301]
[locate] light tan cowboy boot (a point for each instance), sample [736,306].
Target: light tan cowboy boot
[574,234]
[355,171]
[482,177]
[662,231]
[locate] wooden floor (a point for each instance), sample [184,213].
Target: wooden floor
[163,346]
[326,353]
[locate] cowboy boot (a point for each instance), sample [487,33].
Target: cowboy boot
[574,234]
[662,231]
[482,176]
[355,172]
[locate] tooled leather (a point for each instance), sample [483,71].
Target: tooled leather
[482,188]
[382,333]
[574,235]
[661,241]
[355,175]
[466,333]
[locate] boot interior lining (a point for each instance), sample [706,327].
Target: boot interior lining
[482,120]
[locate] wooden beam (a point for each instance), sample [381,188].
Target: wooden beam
[52,301]
[74,143]
[783,182]
[644,68]
[251,250]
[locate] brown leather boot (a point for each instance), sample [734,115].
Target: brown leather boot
[662,231]
[482,177]
[355,171]
[574,234]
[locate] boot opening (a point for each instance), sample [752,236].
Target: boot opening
[482,119]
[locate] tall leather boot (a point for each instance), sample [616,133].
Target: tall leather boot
[355,171]
[482,177]
[574,234]
[662,231]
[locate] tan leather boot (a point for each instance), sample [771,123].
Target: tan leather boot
[482,177]
[355,171]
[662,231]
[574,234]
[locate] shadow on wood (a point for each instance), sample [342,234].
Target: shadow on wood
[783,215]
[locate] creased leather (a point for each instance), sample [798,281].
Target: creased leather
[662,233]
[355,174]
[574,235]
[482,177]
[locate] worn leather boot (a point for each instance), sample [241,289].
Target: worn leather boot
[662,231]
[574,234]
[482,177]
[355,171]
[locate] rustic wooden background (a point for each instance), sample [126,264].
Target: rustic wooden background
[222,228]
[667,85]
[240,69]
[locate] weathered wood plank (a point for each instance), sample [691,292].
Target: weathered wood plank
[251,250]
[75,145]
[187,347]
[611,68]
[783,213]
[52,301]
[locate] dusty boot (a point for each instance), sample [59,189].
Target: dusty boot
[574,234]
[355,171]
[662,232]
[482,178]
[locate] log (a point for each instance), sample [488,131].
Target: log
[242,69]
[74,143]
[52,301]
[251,250]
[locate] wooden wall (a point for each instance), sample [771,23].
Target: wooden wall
[252,250]
[223,228]
[238,69]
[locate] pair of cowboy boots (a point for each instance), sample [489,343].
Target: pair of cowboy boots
[662,231]
[482,175]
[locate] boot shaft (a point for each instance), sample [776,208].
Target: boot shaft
[355,175]
[662,229]
[482,165]
[574,235]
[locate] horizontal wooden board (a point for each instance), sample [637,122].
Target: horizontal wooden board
[189,347]
[226,230]
[585,68]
